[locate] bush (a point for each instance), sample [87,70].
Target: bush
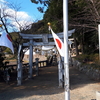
[87,58]
[1,60]
[92,60]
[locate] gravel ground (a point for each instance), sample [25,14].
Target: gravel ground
[45,87]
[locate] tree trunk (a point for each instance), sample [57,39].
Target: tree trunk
[76,46]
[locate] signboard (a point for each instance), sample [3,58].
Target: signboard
[45,38]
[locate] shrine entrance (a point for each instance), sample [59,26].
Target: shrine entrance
[31,44]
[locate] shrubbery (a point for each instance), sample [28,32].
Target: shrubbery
[87,58]
[1,60]
[92,60]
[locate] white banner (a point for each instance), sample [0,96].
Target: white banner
[5,40]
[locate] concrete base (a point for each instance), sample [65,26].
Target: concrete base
[97,95]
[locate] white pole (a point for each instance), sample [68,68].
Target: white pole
[99,39]
[66,57]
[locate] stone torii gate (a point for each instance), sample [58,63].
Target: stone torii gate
[31,43]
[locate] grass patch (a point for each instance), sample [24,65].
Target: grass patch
[92,60]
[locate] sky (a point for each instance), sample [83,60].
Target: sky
[26,15]
[28,7]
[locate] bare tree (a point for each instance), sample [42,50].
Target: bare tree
[89,15]
[85,17]
[10,22]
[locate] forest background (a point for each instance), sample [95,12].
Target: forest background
[83,16]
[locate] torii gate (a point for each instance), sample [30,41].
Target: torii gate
[31,43]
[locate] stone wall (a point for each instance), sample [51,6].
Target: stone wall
[87,69]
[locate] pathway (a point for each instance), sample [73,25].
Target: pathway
[45,87]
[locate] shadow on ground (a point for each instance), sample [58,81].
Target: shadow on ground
[79,79]
[45,84]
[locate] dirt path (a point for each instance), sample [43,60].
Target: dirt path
[82,87]
[45,87]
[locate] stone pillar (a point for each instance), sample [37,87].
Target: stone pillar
[60,73]
[37,68]
[97,95]
[30,59]
[19,67]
